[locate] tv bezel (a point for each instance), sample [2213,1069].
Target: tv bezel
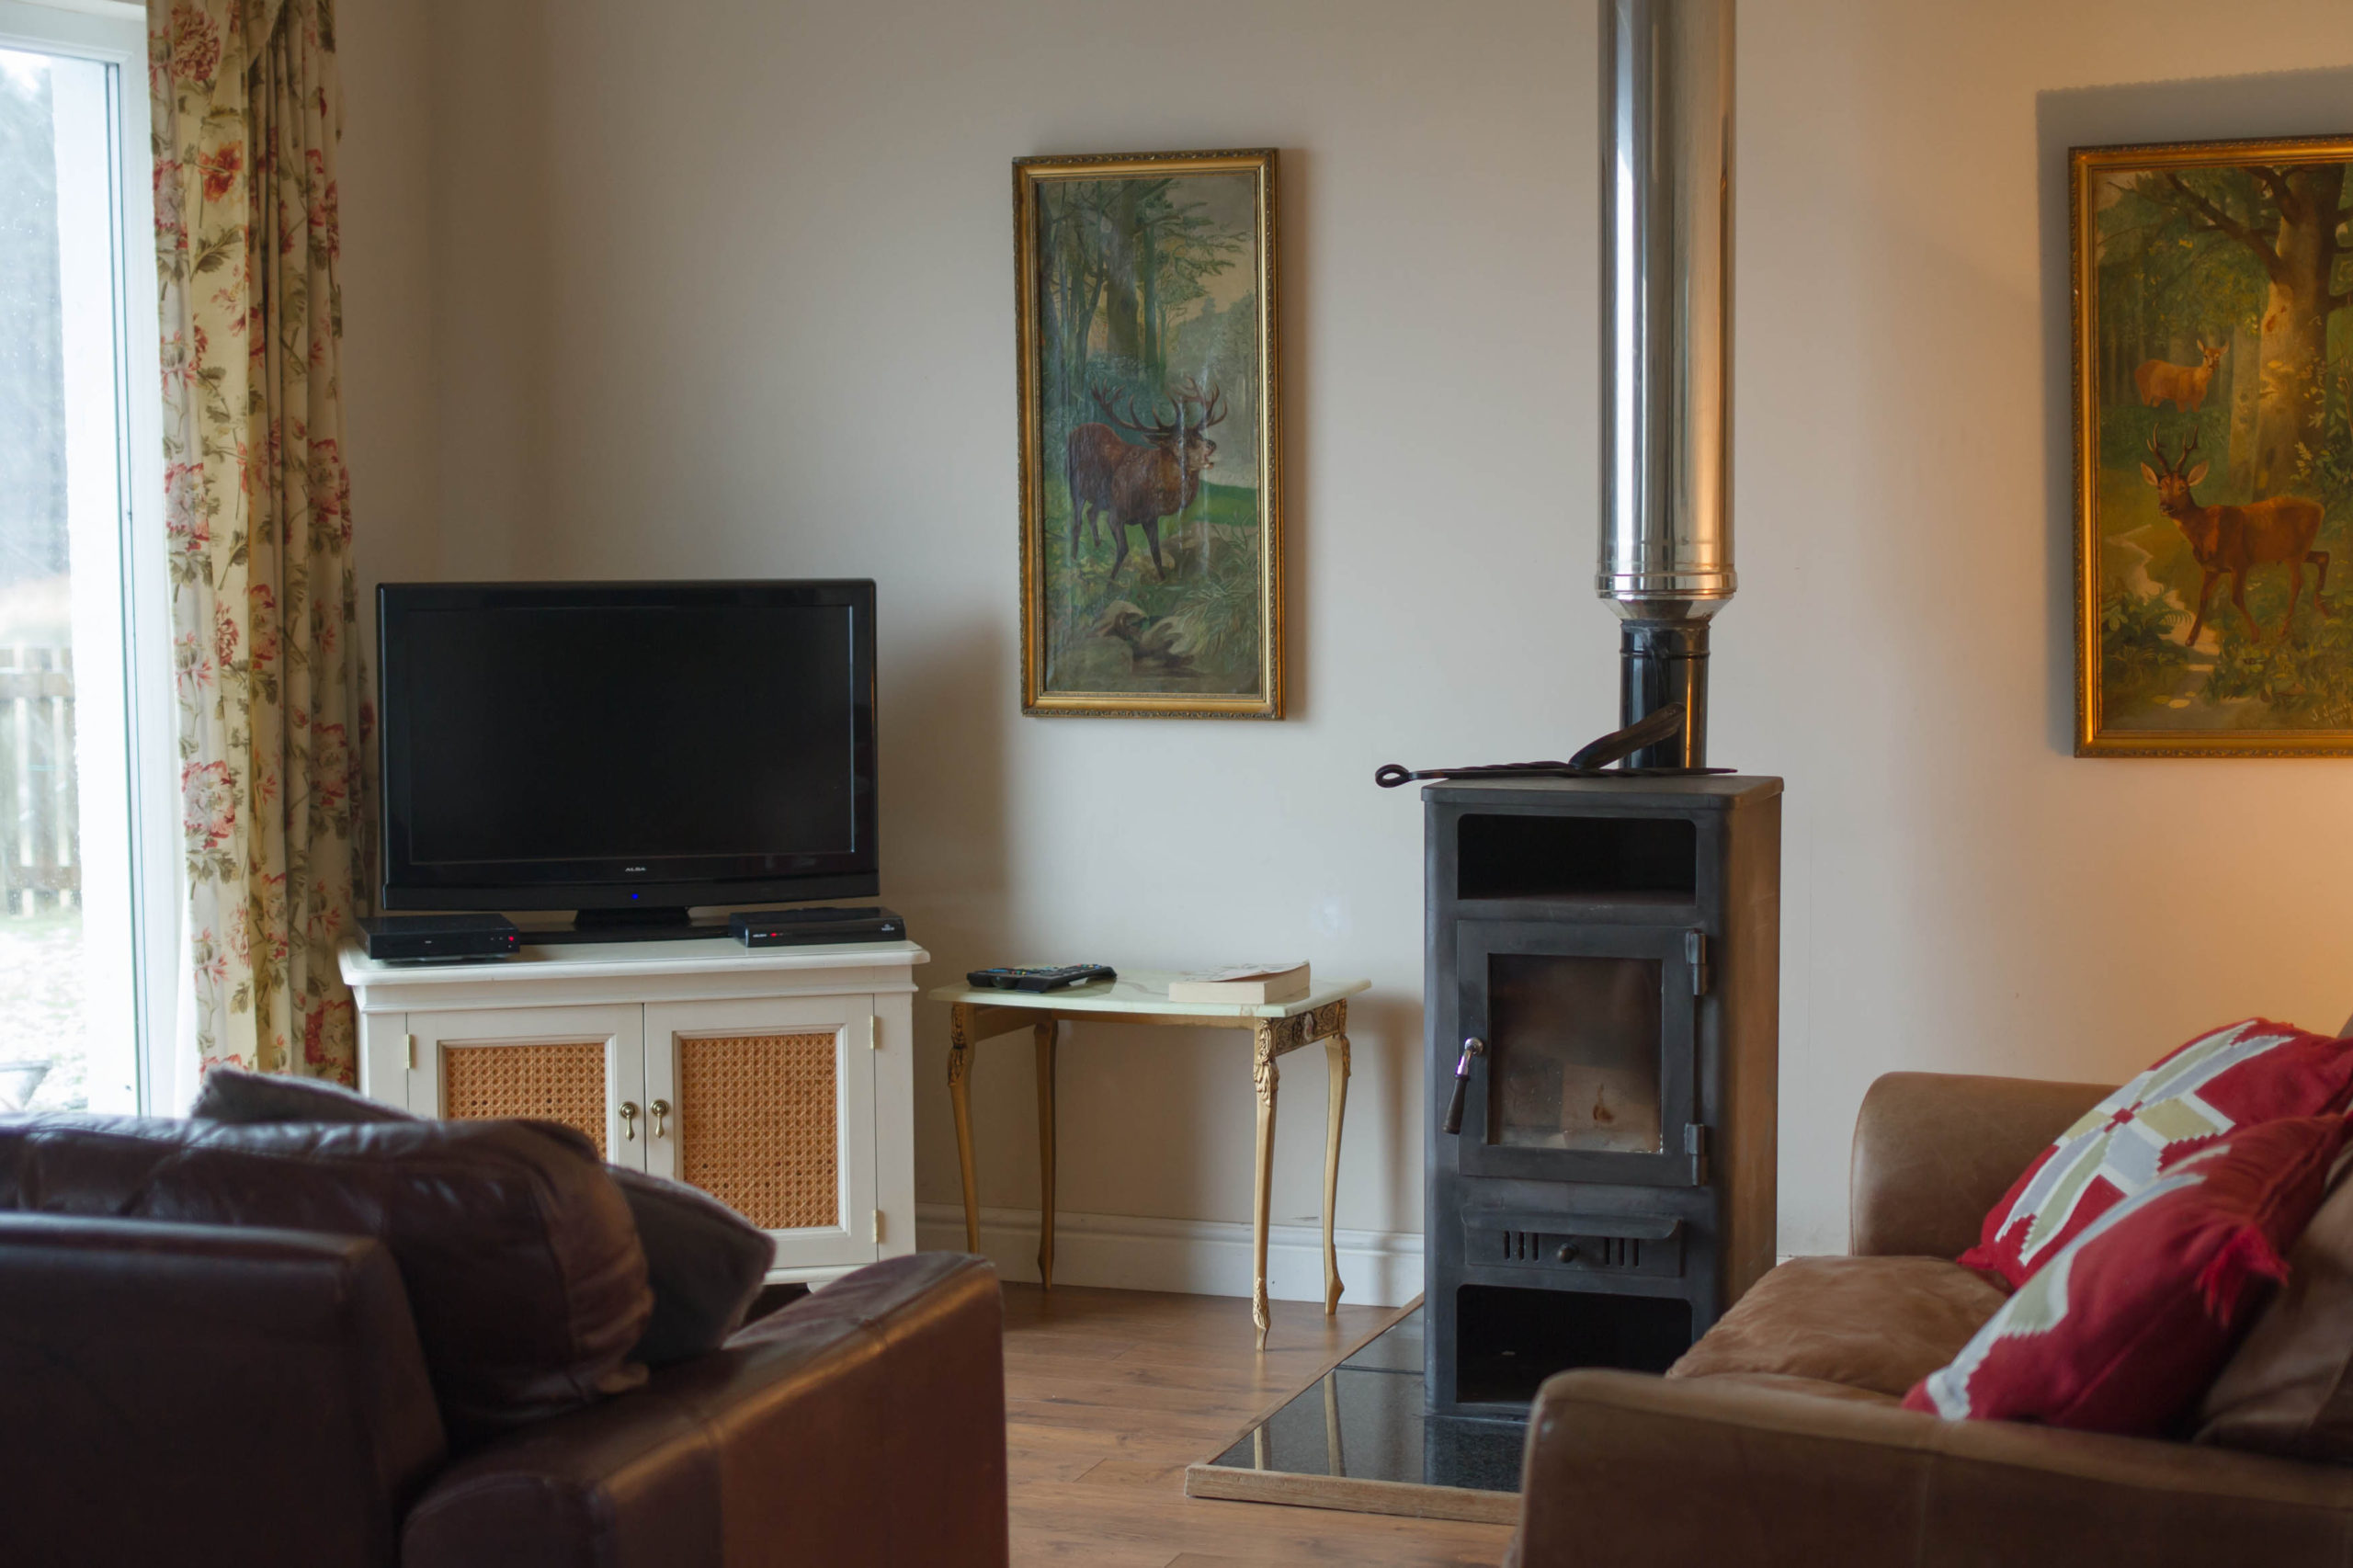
[666,881]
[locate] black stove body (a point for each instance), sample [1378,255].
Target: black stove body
[1602,988]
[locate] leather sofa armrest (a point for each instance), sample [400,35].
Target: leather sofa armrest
[1935,1151]
[861,1426]
[1622,1468]
[203,1394]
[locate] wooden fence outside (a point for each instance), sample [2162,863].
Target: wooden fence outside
[40,841]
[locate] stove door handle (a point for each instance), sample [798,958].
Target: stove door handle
[1471,1048]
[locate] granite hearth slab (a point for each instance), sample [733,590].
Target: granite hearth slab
[1358,1439]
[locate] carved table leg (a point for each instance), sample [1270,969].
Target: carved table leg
[959,1069]
[1045,1035]
[1336,1053]
[1266,1076]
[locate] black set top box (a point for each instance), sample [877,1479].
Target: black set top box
[804,928]
[412,939]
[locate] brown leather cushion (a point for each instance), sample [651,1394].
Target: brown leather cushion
[522,1268]
[704,1261]
[2288,1387]
[1881,1323]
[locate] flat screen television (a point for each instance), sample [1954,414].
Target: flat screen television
[626,750]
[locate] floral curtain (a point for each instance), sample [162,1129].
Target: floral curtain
[248,110]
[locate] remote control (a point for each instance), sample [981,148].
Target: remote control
[1040,979]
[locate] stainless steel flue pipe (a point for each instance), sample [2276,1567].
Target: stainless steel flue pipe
[1666,192]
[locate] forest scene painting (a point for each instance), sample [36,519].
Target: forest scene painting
[2214,375]
[1151,516]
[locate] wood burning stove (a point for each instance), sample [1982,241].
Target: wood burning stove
[1602,987]
[1603,946]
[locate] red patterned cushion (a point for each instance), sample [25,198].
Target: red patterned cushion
[2250,1073]
[2125,1326]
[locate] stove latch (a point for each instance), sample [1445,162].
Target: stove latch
[1471,1048]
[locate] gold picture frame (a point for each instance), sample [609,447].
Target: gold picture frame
[1152,541]
[2212,406]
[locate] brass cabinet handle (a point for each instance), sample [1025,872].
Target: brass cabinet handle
[659,1110]
[628,1121]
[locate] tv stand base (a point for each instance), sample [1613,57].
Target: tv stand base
[624,923]
[704,1063]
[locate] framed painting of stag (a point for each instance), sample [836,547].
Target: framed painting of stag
[2213,418]
[1151,449]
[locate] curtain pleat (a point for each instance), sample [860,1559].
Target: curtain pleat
[247,113]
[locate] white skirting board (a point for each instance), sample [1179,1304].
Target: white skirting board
[1200,1257]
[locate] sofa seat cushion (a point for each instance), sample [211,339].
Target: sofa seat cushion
[1880,1324]
[704,1261]
[1812,1388]
[521,1266]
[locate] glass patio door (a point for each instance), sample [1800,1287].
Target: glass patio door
[75,954]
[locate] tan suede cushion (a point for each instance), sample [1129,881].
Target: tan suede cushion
[2288,1387]
[1813,1387]
[1881,1323]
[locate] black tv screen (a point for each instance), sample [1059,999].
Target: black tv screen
[593,745]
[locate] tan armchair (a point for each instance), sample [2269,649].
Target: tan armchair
[1750,1467]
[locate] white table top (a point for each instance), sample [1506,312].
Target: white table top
[1146,991]
[579,961]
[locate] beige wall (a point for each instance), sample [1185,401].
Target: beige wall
[385,179]
[713,289]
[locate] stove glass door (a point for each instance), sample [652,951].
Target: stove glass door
[1589,1035]
[1573,1052]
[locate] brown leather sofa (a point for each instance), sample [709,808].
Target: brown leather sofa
[1779,1440]
[199,1394]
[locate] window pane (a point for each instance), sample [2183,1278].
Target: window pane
[67,1030]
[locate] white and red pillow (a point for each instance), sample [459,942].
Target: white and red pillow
[2236,1077]
[2124,1326]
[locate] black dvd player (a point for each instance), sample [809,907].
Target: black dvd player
[805,927]
[415,939]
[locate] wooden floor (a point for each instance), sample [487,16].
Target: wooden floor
[1110,1394]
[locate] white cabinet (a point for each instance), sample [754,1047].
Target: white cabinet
[780,1080]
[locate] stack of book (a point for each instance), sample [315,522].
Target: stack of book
[1253,985]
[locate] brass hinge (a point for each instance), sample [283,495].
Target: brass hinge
[1695,954]
[410,1041]
[878,1227]
[873,1032]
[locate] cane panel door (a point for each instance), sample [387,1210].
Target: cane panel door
[769,1105]
[582,1066]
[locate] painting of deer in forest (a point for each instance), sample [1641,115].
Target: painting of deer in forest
[1138,485]
[2214,415]
[1151,501]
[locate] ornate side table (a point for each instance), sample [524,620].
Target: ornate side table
[1141,997]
